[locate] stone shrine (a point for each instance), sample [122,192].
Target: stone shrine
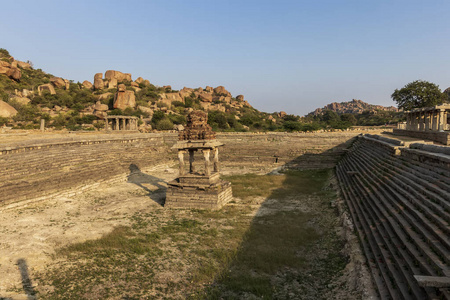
[195,188]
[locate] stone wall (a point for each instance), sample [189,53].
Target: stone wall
[37,166]
[440,137]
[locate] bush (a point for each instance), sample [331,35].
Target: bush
[164,124]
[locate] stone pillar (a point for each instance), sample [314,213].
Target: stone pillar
[426,119]
[216,160]
[408,120]
[420,121]
[433,121]
[42,125]
[117,123]
[441,120]
[181,161]
[206,156]
[123,124]
[106,123]
[191,161]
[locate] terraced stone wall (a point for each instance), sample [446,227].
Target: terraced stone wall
[36,166]
[399,200]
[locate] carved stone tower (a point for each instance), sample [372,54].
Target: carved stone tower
[198,188]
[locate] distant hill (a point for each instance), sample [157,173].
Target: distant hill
[352,107]
[28,95]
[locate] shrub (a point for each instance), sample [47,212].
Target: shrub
[164,124]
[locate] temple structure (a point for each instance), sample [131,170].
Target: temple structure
[427,123]
[121,123]
[198,188]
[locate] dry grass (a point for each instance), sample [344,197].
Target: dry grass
[229,254]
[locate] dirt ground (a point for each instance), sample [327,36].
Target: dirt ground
[31,232]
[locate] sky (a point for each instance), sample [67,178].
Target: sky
[292,56]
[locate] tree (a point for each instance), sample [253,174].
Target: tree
[418,94]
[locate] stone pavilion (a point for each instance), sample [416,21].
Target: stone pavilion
[198,188]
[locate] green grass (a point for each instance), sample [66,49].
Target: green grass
[224,254]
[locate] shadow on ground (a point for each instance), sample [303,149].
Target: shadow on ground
[154,186]
[291,249]
[27,284]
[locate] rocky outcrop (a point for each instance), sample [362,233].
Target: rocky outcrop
[6,110]
[222,91]
[168,98]
[11,70]
[240,97]
[104,96]
[46,87]
[205,97]
[98,81]
[119,76]
[58,82]
[87,84]
[352,107]
[100,110]
[124,98]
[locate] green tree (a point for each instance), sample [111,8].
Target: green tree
[418,94]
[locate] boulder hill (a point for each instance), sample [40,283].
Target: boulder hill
[352,107]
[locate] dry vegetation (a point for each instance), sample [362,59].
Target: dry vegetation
[276,240]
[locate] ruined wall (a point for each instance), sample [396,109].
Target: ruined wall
[34,167]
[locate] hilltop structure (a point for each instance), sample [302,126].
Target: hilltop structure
[198,189]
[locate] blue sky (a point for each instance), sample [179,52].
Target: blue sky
[281,55]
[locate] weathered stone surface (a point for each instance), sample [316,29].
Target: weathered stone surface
[206,97]
[121,88]
[6,110]
[112,83]
[134,84]
[104,96]
[146,82]
[240,97]
[178,127]
[124,98]
[139,80]
[209,89]
[98,81]
[101,107]
[168,98]
[14,73]
[145,109]
[119,76]
[167,87]
[87,84]
[58,82]
[46,87]
[282,114]
[185,92]
[23,65]
[197,127]
[222,91]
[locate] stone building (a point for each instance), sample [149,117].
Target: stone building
[427,123]
[119,123]
[197,188]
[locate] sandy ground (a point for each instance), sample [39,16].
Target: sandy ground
[30,232]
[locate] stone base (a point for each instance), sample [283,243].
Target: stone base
[211,197]
[442,137]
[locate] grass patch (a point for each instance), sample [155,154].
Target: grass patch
[224,254]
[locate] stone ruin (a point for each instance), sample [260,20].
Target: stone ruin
[198,189]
